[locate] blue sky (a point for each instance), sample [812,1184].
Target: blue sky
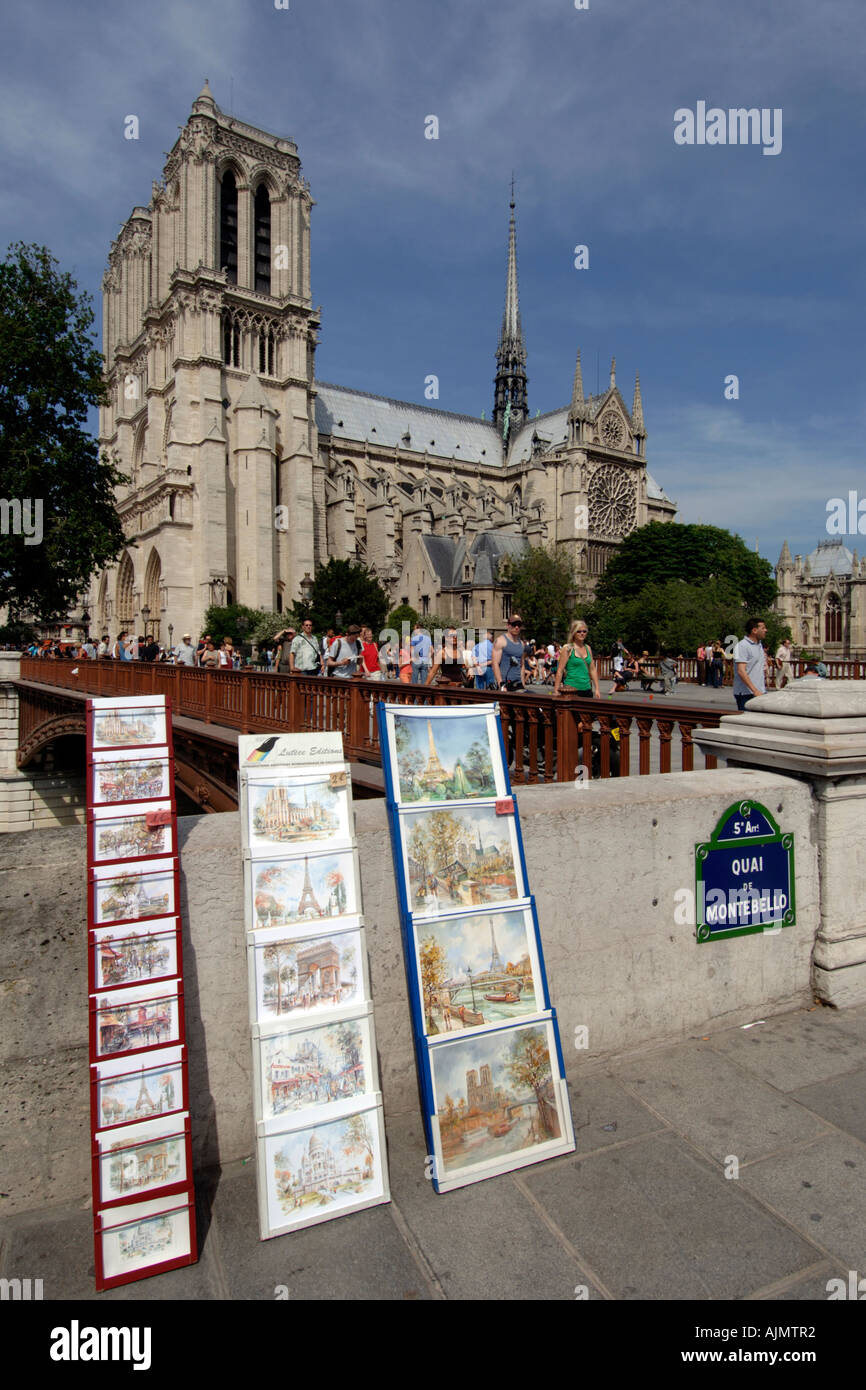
[704,261]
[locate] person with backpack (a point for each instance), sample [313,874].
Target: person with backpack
[304,655]
[344,656]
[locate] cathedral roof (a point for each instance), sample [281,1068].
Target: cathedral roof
[830,555]
[552,428]
[358,415]
[447,556]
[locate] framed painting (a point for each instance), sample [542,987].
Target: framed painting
[142,830]
[134,954]
[302,891]
[133,721]
[124,1094]
[125,775]
[460,856]
[326,1069]
[142,891]
[320,1171]
[297,977]
[294,811]
[476,969]
[443,754]
[142,1238]
[499,1102]
[142,1159]
[126,1021]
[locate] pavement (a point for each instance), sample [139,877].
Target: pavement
[731,1166]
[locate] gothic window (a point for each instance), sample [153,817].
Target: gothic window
[125,596]
[266,352]
[833,620]
[465,608]
[425,605]
[262,280]
[231,342]
[507,600]
[228,258]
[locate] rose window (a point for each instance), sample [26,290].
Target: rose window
[612,501]
[612,431]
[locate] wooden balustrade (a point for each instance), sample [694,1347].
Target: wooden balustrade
[547,737]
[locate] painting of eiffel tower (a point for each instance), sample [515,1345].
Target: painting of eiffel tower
[307,901]
[446,758]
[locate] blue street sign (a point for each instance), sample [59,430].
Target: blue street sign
[744,875]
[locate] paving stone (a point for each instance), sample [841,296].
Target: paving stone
[812,1288]
[656,1222]
[712,1103]
[485,1241]
[821,1190]
[795,1049]
[604,1114]
[357,1256]
[841,1100]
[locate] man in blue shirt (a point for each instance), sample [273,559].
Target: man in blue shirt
[482,655]
[422,651]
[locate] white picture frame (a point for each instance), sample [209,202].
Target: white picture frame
[296,977]
[301,891]
[288,811]
[323,1070]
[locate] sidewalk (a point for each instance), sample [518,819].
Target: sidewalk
[643,1210]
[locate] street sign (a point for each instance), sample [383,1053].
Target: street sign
[744,875]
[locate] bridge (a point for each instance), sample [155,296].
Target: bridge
[547,737]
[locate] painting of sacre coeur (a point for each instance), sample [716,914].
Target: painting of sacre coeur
[137,1235]
[130,895]
[319,1172]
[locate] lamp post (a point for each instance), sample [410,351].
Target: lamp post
[145,614]
[85,621]
[306,587]
[170,642]
[242,626]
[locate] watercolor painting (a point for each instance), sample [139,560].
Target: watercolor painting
[141,1159]
[124,957]
[133,895]
[460,857]
[123,1095]
[124,1023]
[495,1096]
[128,727]
[444,758]
[324,1170]
[130,837]
[315,1066]
[305,889]
[296,977]
[135,779]
[477,970]
[146,1237]
[291,813]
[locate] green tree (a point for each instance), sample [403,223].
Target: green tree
[661,551]
[543,582]
[50,378]
[232,620]
[403,613]
[344,587]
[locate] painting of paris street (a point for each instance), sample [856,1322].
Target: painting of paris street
[129,837]
[310,811]
[477,970]
[134,779]
[319,1172]
[122,956]
[133,895]
[142,1094]
[495,1097]
[313,1067]
[445,758]
[123,1023]
[306,889]
[460,857]
[311,975]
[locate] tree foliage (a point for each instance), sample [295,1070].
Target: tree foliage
[661,551]
[232,620]
[343,587]
[543,582]
[50,378]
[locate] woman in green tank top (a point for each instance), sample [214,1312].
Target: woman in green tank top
[576,671]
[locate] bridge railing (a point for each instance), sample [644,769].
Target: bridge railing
[547,737]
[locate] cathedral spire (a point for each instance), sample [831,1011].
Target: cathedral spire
[612,372]
[510,408]
[577,409]
[637,407]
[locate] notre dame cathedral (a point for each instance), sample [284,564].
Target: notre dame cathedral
[245,473]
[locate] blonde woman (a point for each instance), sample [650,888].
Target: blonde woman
[576,672]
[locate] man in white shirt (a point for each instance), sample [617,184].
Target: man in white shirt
[783,664]
[184,652]
[750,661]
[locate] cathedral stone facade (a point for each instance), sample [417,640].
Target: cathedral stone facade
[246,473]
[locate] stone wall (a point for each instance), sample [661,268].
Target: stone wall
[605,862]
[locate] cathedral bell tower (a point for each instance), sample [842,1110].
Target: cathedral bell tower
[510,409]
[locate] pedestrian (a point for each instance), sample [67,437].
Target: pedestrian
[783,663]
[344,657]
[327,643]
[702,664]
[407,670]
[208,659]
[225,655]
[447,661]
[184,652]
[576,672]
[121,651]
[388,660]
[509,668]
[422,650]
[284,649]
[718,665]
[750,663]
[482,660]
[304,653]
[199,651]
[370,666]
[150,651]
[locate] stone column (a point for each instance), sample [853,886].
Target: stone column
[815,730]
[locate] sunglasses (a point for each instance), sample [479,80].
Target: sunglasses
[512,623]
